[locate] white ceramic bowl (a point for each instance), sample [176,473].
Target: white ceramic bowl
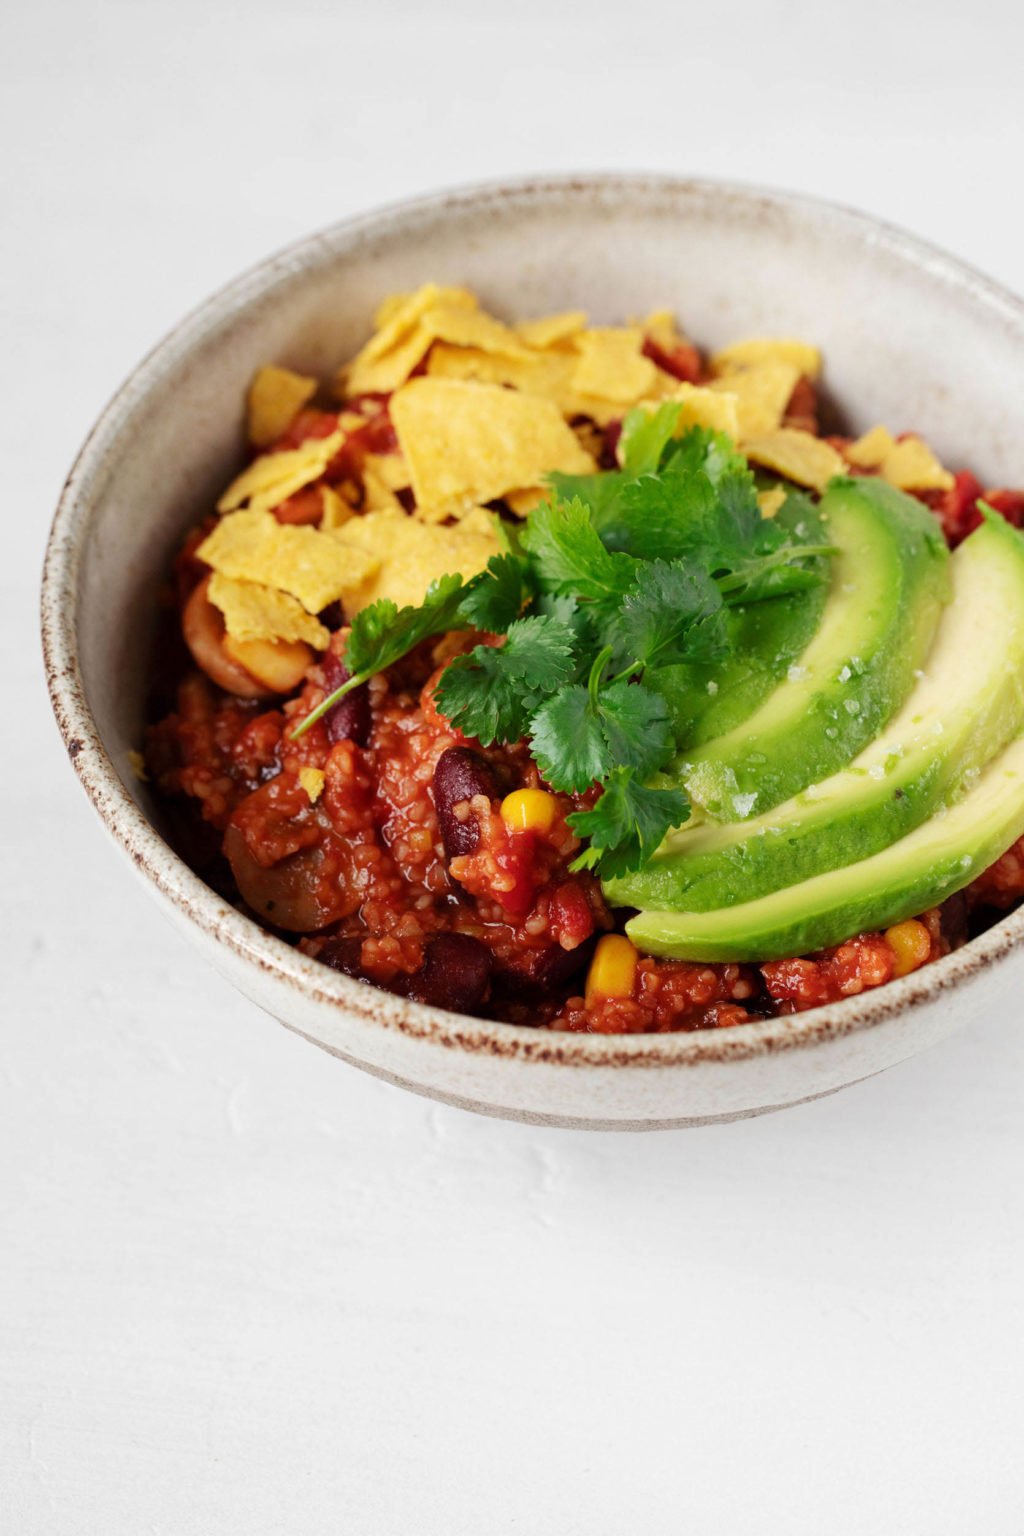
[911,338]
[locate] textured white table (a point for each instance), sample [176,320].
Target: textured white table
[244,1289]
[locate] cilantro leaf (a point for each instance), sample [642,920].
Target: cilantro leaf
[645,437]
[495,599]
[579,735]
[491,692]
[383,633]
[673,613]
[626,824]
[568,555]
[567,741]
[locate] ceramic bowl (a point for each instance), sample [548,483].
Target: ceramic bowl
[911,337]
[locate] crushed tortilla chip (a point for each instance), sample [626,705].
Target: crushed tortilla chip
[377,494]
[523,502]
[276,396]
[137,764]
[312,781]
[468,443]
[797,455]
[407,555]
[551,329]
[398,315]
[771,501]
[661,326]
[768,349]
[459,324]
[612,365]
[253,611]
[704,407]
[390,468]
[303,561]
[761,393]
[337,508]
[908,464]
[273,477]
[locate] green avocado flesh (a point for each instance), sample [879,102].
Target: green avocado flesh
[889,582]
[965,707]
[932,862]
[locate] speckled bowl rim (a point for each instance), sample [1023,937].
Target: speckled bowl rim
[270,955]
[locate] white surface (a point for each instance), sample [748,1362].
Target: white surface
[244,1289]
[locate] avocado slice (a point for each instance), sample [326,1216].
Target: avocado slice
[889,582]
[963,710]
[706,699]
[932,862]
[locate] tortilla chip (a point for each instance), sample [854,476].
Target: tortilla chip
[772,500]
[717,409]
[312,781]
[458,324]
[137,764]
[390,468]
[273,477]
[276,396]
[523,502]
[398,315]
[468,443]
[662,327]
[309,564]
[337,508]
[761,393]
[377,494]
[551,329]
[797,455]
[612,366]
[256,612]
[908,464]
[406,555]
[768,349]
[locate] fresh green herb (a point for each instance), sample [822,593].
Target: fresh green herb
[616,581]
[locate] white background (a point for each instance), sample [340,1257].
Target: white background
[245,1289]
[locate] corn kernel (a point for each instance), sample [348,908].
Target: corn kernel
[529,810]
[613,968]
[911,943]
[312,781]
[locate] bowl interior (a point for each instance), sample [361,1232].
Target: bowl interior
[910,339]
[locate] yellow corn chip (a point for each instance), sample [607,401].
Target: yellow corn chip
[768,349]
[456,324]
[761,393]
[312,781]
[770,501]
[337,509]
[799,456]
[612,366]
[253,546]
[523,502]
[273,477]
[276,395]
[549,330]
[390,468]
[703,407]
[468,443]
[911,465]
[663,328]
[398,315]
[137,764]
[407,555]
[377,495]
[255,612]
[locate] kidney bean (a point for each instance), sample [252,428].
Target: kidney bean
[460,774]
[455,974]
[547,968]
[350,719]
[341,954]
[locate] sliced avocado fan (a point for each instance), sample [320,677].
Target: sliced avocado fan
[965,707]
[889,582]
[920,870]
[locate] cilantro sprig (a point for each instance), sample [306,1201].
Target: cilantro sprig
[615,578]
